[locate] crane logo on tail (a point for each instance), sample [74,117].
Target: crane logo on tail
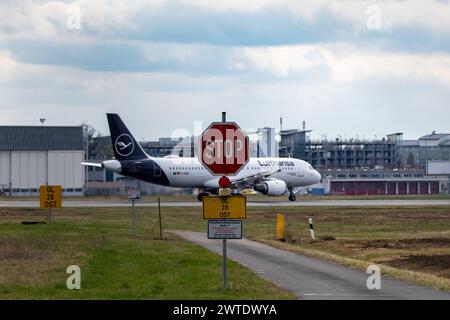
[124,145]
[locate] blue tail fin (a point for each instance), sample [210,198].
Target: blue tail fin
[124,145]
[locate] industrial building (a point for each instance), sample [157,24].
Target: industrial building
[351,154]
[383,182]
[31,156]
[339,153]
[183,147]
[416,153]
[293,143]
[266,145]
[391,152]
[388,166]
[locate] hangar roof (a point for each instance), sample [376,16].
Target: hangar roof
[434,136]
[29,138]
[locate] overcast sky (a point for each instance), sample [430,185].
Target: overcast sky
[349,68]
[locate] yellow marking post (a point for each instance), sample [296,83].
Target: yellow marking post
[224,207]
[50,197]
[280,226]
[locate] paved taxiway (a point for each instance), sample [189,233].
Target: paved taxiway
[310,278]
[268,203]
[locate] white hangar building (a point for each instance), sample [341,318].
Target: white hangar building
[31,156]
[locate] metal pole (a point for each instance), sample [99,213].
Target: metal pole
[159,212]
[86,171]
[46,168]
[10,173]
[47,172]
[133,220]
[224,262]
[224,241]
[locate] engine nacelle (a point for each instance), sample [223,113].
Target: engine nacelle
[272,187]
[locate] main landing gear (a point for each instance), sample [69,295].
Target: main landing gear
[292,196]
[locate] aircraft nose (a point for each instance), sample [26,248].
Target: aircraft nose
[317,175]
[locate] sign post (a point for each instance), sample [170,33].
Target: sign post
[224,151]
[133,195]
[159,214]
[50,197]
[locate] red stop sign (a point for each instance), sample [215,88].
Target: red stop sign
[224,148]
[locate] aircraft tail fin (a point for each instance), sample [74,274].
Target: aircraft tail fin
[124,145]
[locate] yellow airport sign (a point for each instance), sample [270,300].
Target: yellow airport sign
[50,197]
[224,207]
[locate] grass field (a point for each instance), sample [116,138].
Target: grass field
[410,243]
[33,260]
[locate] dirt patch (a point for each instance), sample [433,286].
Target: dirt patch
[15,250]
[23,261]
[435,264]
[363,216]
[5,212]
[8,215]
[438,242]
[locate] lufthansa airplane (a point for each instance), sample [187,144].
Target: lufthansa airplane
[270,176]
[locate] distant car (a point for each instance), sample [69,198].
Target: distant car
[249,192]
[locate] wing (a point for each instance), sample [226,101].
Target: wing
[251,180]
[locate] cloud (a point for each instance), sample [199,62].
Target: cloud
[234,23]
[7,66]
[344,63]
[155,103]
[283,60]
[257,59]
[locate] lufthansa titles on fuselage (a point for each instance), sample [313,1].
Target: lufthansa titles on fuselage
[272,163]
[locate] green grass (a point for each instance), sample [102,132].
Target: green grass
[411,243]
[34,259]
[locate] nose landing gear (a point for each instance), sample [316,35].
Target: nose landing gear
[292,196]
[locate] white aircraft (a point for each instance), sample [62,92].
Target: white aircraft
[270,176]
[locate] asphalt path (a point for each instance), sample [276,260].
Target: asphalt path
[268,203]
[310,278]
